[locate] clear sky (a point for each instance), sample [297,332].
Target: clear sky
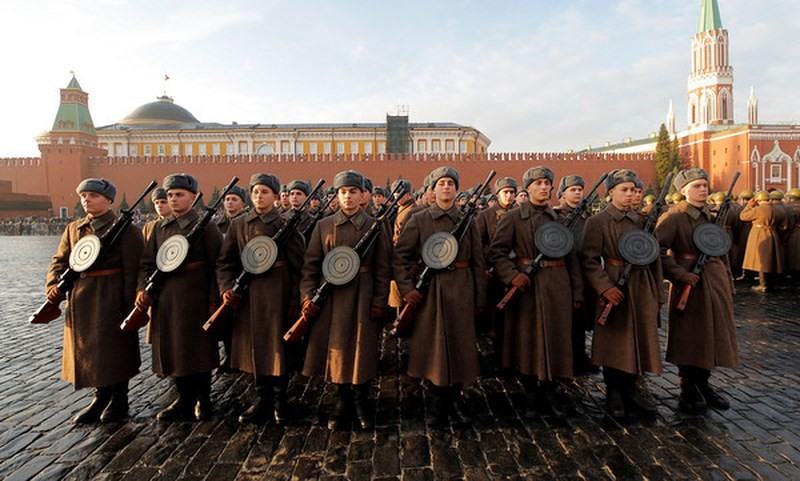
[536,75]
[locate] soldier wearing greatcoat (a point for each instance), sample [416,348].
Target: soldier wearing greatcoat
[538,322]
[627,345]
[442,347]
[763,253]
[260,318]
[96,352]
[181,348]
[703,335]
[491,322]
[343,338]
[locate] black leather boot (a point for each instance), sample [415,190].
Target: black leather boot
[261,409]
[459,409]
[340,416]
[364,415]
[712,397]
[280,404]
[691,398]
[440,405]
[549,401]
[91,414]
[615,406]
[531,386]
[635,397]
[181,407]
[203,409]
[117,409]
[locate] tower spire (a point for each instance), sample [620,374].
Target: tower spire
[711,79]
[709,16]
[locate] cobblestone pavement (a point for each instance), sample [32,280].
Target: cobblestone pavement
[758,438]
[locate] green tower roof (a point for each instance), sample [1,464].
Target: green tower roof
[73,112]
[709,16]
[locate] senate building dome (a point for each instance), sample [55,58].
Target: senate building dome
[162,111]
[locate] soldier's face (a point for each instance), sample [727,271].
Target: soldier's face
[622,195]
[506,196]
[263,198]
[349,199]
[297,197]
[696,191]
[539,191]
[522,197]
[285,199]
[573,194]
[445,189]
[180,200]
[233,204]
[94,203]
[162,207]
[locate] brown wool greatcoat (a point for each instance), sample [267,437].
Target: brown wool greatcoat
[96,352]
[704,334]
[261,318]
[538,322]
[442,346]
[180,345]
[763,252]
[629,339]
[793,242]
[343,339]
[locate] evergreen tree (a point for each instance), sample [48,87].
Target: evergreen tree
[79,212]
[124,204]
[214,196]
[668,157]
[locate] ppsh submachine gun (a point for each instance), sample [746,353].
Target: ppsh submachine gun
[85,254]
[342,263]
[171,256]
[638,247]
[711,240]
[439,251]
[554,239]
[259,255]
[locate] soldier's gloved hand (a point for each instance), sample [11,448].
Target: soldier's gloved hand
[521,282]
[54,295]
[613,295]
[231,298]
[310,310]
[690,278]
[413,298]
[143,300]
[377,313]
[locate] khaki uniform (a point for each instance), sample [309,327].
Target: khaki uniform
[629,340]
[442,346]
[180,345]
[704,333]
[538,323]
[261,318]
[96,352]
[343,340]
[763,252]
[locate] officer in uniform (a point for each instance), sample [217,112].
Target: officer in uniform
[538,322]
[703,335]
[96,353]
[343,338]
[442,348]
[260,318]
[181,348]
[627,345]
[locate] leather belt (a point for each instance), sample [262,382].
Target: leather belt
[101,272]
[193,265]
[693,257]
[364,269]
[280,263]
[522,262]
[615,262]
[459,265]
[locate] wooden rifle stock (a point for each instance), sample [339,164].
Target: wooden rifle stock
[402,323]
[298,330]
[603,317]
[702,258]
[50,311]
